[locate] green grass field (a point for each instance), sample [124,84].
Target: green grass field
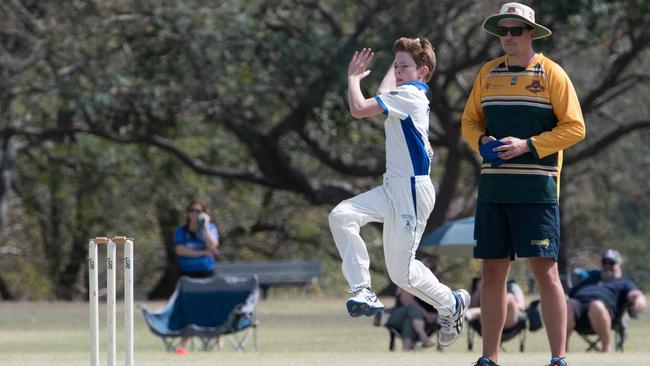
[303,331]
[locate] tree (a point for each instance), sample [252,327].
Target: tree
[252,94]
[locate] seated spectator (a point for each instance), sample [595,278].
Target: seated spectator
[196,243]
[594,302]
[413,319]
[515,304]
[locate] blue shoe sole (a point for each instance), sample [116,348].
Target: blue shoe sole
[372,311]
[356,309]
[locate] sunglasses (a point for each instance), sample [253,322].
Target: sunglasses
[515,31]
[608,263]
[193,210]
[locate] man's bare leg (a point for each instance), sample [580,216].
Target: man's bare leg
[493,304]
[419,327]
[570,324]
[601,322]
[553,300]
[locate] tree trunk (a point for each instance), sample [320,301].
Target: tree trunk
[66,286]
[168,220]
[6,166]
[5,293]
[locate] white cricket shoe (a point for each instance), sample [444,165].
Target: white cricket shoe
[363,302]
[451,326]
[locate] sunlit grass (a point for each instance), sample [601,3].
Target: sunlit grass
[302,331]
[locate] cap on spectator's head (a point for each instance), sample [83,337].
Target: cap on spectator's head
[613,255]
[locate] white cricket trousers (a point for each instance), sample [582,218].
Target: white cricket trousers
[403,204]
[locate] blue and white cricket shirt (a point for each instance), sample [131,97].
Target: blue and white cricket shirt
[408,152]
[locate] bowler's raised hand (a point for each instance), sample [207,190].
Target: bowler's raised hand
[359,64]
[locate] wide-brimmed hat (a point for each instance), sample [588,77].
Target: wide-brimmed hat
[517,11]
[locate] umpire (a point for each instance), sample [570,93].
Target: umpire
[522,112]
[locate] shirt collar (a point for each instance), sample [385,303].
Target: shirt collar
[418,84]
[536,59]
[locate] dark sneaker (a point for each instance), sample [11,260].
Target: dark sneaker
[484,361]
[451,326]
[555,361]
[364,302]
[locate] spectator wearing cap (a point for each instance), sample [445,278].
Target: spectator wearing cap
[593,303]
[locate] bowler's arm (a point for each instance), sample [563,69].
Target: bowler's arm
[360,107]
[388,83]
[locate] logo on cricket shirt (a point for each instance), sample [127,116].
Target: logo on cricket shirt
[409,223]
[542,242]
[393,92]
[535,87]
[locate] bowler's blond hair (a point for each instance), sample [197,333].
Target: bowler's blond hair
[421,51]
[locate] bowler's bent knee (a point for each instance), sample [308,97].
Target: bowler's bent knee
[339,217]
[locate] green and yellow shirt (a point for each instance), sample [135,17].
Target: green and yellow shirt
[537,103]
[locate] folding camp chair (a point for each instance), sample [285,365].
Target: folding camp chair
[430,328]
[203,309]
[381,319]
[619,332]
[518,330]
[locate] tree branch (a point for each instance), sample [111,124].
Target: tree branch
[368,168]
[615,69]
[605,141]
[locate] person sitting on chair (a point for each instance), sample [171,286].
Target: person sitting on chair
[412,318]
[594,302]
[515,304]
[196,243]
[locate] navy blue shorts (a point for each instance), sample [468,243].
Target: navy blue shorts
[515,230]
[581,315]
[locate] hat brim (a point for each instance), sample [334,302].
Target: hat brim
[491,23]
[614,260]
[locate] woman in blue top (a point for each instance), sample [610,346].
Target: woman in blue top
[197,242]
